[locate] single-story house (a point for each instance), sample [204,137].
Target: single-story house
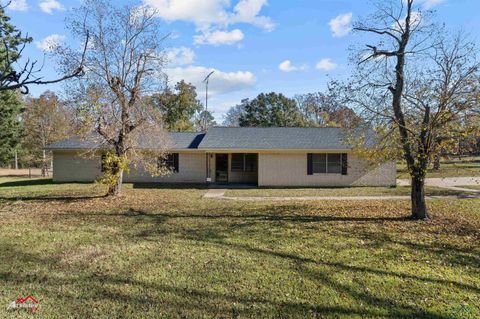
[274,156]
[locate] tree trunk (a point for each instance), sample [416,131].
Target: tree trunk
[116,189]
[16,159]
[436,162]
[419,206]
[44,165]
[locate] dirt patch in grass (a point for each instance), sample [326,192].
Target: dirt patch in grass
[22,172]
[166,252]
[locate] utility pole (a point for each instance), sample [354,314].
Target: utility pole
[206,99]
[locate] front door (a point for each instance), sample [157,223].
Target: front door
[221,168]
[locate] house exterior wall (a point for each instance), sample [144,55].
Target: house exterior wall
[274,169]
[290,169]
[242,177]
[191,169]
[72,166]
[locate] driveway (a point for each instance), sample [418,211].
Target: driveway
[453,183]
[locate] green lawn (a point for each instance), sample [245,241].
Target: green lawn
[335,191]
[448,168]
[168,253]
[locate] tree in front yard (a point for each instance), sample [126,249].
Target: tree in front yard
[123,65]
[412,84]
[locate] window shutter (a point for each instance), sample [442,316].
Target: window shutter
[175,162]
[344,164]
[309,164]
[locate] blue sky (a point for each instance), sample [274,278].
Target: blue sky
[254,45]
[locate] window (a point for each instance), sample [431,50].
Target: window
[319,163]
[334,163]
[242,162]
[171,161]
[327,163]
[237,162]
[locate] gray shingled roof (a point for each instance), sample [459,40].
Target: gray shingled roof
[328,138]
[180,140]
[186,140]
[74,143]
[254,138]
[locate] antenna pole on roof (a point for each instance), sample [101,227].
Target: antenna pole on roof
[206,99]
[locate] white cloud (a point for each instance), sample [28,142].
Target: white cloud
[219,37]
[18,5]
[220,82]
[49,43]
[326,65]
[48,6]
[213,17]
[287,66]
[180,56]
[429,4]
[207,13]
[247,11]
[341,24]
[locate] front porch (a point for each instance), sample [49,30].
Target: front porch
[232,169]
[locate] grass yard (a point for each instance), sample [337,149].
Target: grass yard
[471,187]
[168,253]
[448,168]
[336,191]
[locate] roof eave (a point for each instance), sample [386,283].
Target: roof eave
[274,150]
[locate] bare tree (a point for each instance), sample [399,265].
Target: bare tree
[233,115]
[45,120]
[123,65]
[326,109]
[19,75]
[411,84]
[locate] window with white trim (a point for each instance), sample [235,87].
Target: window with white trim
[327,163]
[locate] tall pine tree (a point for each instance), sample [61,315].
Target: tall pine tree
[10,126]
[11,44]
[11,40]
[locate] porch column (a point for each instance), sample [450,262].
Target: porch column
[207,167]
